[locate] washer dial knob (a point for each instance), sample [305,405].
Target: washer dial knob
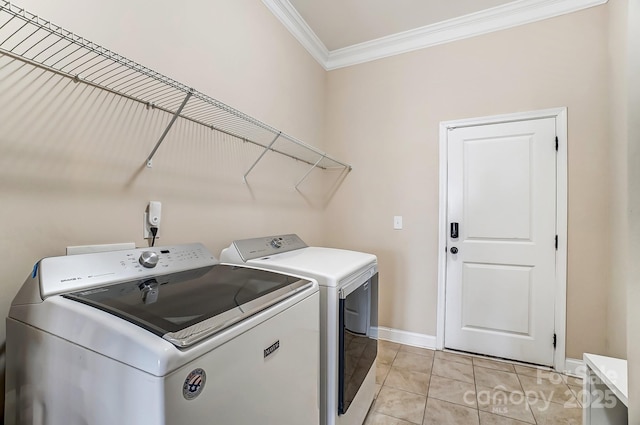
[276,243]
[149,259]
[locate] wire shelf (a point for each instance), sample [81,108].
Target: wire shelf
[38,42]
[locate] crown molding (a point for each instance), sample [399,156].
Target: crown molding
[291,19]
[509,15]
[498,18]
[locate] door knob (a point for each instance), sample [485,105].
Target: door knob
[454,250]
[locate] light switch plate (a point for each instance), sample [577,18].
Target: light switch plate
[397,222]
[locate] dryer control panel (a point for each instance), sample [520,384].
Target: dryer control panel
[249,249]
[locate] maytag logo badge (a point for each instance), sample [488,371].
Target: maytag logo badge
[194,383]
[271,349]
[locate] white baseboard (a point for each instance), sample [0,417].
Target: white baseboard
[407,338]
[574,367]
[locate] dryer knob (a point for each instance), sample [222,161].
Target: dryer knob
[149,259]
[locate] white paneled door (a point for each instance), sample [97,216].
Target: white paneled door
[500,274]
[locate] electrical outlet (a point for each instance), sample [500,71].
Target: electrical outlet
[146,232]
[152,218]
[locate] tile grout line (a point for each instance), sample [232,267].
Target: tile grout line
[526,399]
[475,385]
[433,360]
[426,400]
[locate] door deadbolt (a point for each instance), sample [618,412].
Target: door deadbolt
[454,250]
[454,231]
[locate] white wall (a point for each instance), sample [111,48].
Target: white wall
[383,116]
[618,141]
[633,300]
[71,157]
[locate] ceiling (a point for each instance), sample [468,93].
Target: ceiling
[340,33]
[342,23]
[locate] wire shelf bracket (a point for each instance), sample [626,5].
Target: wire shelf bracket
[166,130]
[308,172]
[266,149]
[37,42]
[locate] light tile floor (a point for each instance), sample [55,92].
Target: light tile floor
[425,387]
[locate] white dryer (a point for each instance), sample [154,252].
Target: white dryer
[161,336]
[348,316]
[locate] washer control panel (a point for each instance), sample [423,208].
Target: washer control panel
[276,243]
[269,245]
[74,272]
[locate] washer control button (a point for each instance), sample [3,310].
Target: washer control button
[149,259]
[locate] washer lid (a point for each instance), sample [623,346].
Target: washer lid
[189,306]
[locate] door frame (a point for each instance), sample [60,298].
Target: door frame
[560,309]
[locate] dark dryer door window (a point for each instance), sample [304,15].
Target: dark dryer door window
[358,314]
[189,306]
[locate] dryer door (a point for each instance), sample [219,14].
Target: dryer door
[357,342]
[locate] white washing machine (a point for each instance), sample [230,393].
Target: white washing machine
[348,316]
[161,336]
